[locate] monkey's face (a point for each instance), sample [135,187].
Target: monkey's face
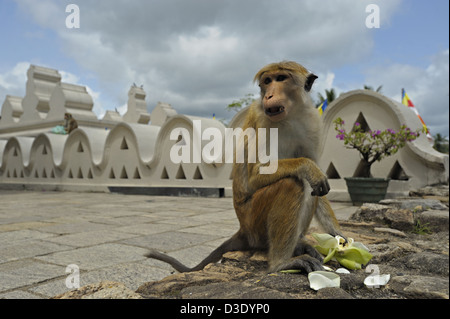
[279,94]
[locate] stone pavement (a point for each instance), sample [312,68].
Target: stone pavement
[105,235]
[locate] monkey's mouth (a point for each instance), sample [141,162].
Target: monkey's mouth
[274,110]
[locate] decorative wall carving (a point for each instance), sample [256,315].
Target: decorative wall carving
[133,151]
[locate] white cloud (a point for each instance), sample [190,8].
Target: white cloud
[192,49]
[67,77]
[325,81]
[122,109]
[209,41]
[427,87]
[46,13]
[201,55]
[12,82]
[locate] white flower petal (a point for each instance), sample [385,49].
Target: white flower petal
[327,268]
[326,240]
[323,279]
[340,240]
[350,242]
[342,271]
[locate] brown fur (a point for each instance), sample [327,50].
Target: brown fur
[69,123]
[275,210]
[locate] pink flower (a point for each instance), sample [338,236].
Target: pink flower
[376,133]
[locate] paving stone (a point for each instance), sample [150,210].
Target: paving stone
[139,218]
[96,256]
[212,229]
[90,238]
[71,228]
[19,294]
[11,238]
[169,241]
[105,235]
[53,287]
[148,228]
[27,272]
[23,225]
[28,249]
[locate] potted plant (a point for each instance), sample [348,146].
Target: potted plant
[373,146]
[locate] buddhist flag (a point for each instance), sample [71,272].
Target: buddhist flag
[322,107]
[407,101]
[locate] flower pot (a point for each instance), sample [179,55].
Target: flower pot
[366,190]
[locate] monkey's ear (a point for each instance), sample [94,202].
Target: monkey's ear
[309,81]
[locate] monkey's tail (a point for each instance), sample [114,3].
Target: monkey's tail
[214,256]
[168,259]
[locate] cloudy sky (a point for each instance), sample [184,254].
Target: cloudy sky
[201,55]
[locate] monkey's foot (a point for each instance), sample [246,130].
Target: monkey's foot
[305,263]
[305,248]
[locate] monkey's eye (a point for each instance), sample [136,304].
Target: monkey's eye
[281,78]
[267,80]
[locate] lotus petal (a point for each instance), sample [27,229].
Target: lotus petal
[323,279]
[342,271]
[326,240]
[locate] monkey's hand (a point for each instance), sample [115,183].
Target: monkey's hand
[300,168]
[315,178]
[321,188]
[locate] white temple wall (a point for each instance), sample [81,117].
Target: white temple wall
[414,166]
[133,151]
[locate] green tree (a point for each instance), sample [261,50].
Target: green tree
[440,143]
[330,96]
[241,103]
[368,87]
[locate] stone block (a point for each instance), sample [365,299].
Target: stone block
[437,220]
